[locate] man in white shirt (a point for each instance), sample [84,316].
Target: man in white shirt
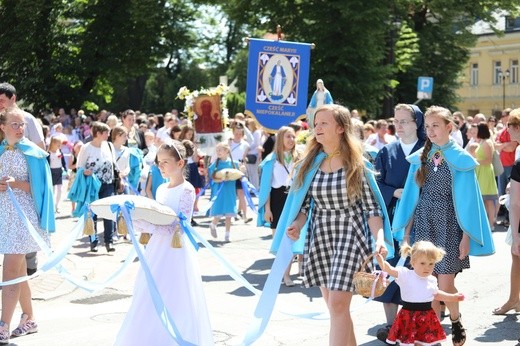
[381,137]
[33,129]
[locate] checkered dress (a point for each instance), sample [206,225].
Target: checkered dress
[339,238]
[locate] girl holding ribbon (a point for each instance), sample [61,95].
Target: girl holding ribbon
[175,270]
[25,197]
[442,203]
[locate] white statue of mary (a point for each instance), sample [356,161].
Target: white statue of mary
[320,97]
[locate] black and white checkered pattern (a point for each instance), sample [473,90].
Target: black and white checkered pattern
[338,239]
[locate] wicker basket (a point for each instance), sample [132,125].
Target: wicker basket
[370,284]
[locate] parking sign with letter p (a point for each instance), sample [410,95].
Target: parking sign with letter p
[424,88]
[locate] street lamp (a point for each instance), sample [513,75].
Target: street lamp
[503,76]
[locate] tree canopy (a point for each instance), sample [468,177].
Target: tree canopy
[120,54]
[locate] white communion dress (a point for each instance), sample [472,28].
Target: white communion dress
[177,276]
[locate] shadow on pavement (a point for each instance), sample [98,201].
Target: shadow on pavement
[502,331]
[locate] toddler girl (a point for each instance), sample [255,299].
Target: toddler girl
[417,323]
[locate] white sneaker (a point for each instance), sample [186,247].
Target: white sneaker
[226,237]
[213,230]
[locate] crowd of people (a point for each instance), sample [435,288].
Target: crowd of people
[408,184]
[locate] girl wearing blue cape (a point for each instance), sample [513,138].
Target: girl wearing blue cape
[442,203]
[224,193]
[335,197]
[23,168]
[275,183]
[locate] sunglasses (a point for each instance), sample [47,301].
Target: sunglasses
[512,124]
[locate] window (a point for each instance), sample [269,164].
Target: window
[474,75]
[512,23]
[497,72]
[514,72]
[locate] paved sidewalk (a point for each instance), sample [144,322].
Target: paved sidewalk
[70,316]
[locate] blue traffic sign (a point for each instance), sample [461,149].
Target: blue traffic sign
[424,87]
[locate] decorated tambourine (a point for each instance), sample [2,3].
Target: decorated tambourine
[144,208]
[228,174]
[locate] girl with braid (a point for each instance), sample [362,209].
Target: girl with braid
[442,203]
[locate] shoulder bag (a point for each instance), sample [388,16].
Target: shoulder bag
[497,164]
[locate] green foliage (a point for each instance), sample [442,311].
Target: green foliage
[137,53]
[236,103]
[406,48]
[90,106]
[62,53]
[444,43]
[361,57]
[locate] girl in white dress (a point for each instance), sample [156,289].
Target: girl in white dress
[175,270]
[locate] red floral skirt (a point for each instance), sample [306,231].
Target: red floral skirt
[422,327]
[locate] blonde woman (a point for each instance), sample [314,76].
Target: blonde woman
[276,181]
[335,189]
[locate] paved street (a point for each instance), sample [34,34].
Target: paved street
[71,316]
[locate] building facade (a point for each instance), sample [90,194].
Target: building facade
[490,81]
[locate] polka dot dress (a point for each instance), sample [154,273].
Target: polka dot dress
[435,218]
[338,239]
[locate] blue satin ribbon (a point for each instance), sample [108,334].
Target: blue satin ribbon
[160,308]
[91,286]
[96,286]
[252,188]
[247,194]
[267,300]
[203,190]
[231,270]
[54,258]
[212,200]
[187,229]
[116,208]
[134,190]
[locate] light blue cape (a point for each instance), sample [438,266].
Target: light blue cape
[467,198]
[295,201]
[40,181]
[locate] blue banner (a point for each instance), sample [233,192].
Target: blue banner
[277,82]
